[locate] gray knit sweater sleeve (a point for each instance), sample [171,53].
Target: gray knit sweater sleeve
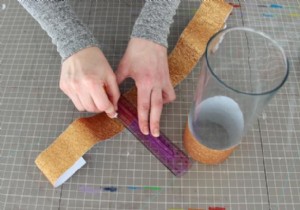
[70,35]
[60,22]
[155,20]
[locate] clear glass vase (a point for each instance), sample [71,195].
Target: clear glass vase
[242,69]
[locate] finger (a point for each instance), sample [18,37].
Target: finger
[168,94]
[83,95]
[143,109]
[88,102]
[113,91]
[77,102]
[156,109]
[102,102]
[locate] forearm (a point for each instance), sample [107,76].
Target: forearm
[155,20]
[60,22]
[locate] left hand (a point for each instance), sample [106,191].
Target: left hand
[146,62]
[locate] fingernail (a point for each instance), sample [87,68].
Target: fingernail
[145,130]
[155,133]
[113,115]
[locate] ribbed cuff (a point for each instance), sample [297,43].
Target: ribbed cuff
[142,31]
[76,44]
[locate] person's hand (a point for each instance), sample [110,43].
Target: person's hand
[87,78]
[146,62]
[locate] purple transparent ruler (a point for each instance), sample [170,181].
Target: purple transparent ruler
[163,149]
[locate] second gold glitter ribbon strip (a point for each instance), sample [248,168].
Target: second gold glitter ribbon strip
[64,156]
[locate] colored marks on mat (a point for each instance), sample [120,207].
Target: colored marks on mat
[216,208]
[235,5]
[110,189]
[195,209]
[279,6]
[271,15]
[93,190]
[261,5]
[276,6]
[295,14]
[88,189]
[153,188]
[272,6]
[176,209]
[134,188]
[210,208]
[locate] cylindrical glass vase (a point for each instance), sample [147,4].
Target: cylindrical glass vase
[241,71]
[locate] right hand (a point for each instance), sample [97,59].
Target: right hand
[87,78]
